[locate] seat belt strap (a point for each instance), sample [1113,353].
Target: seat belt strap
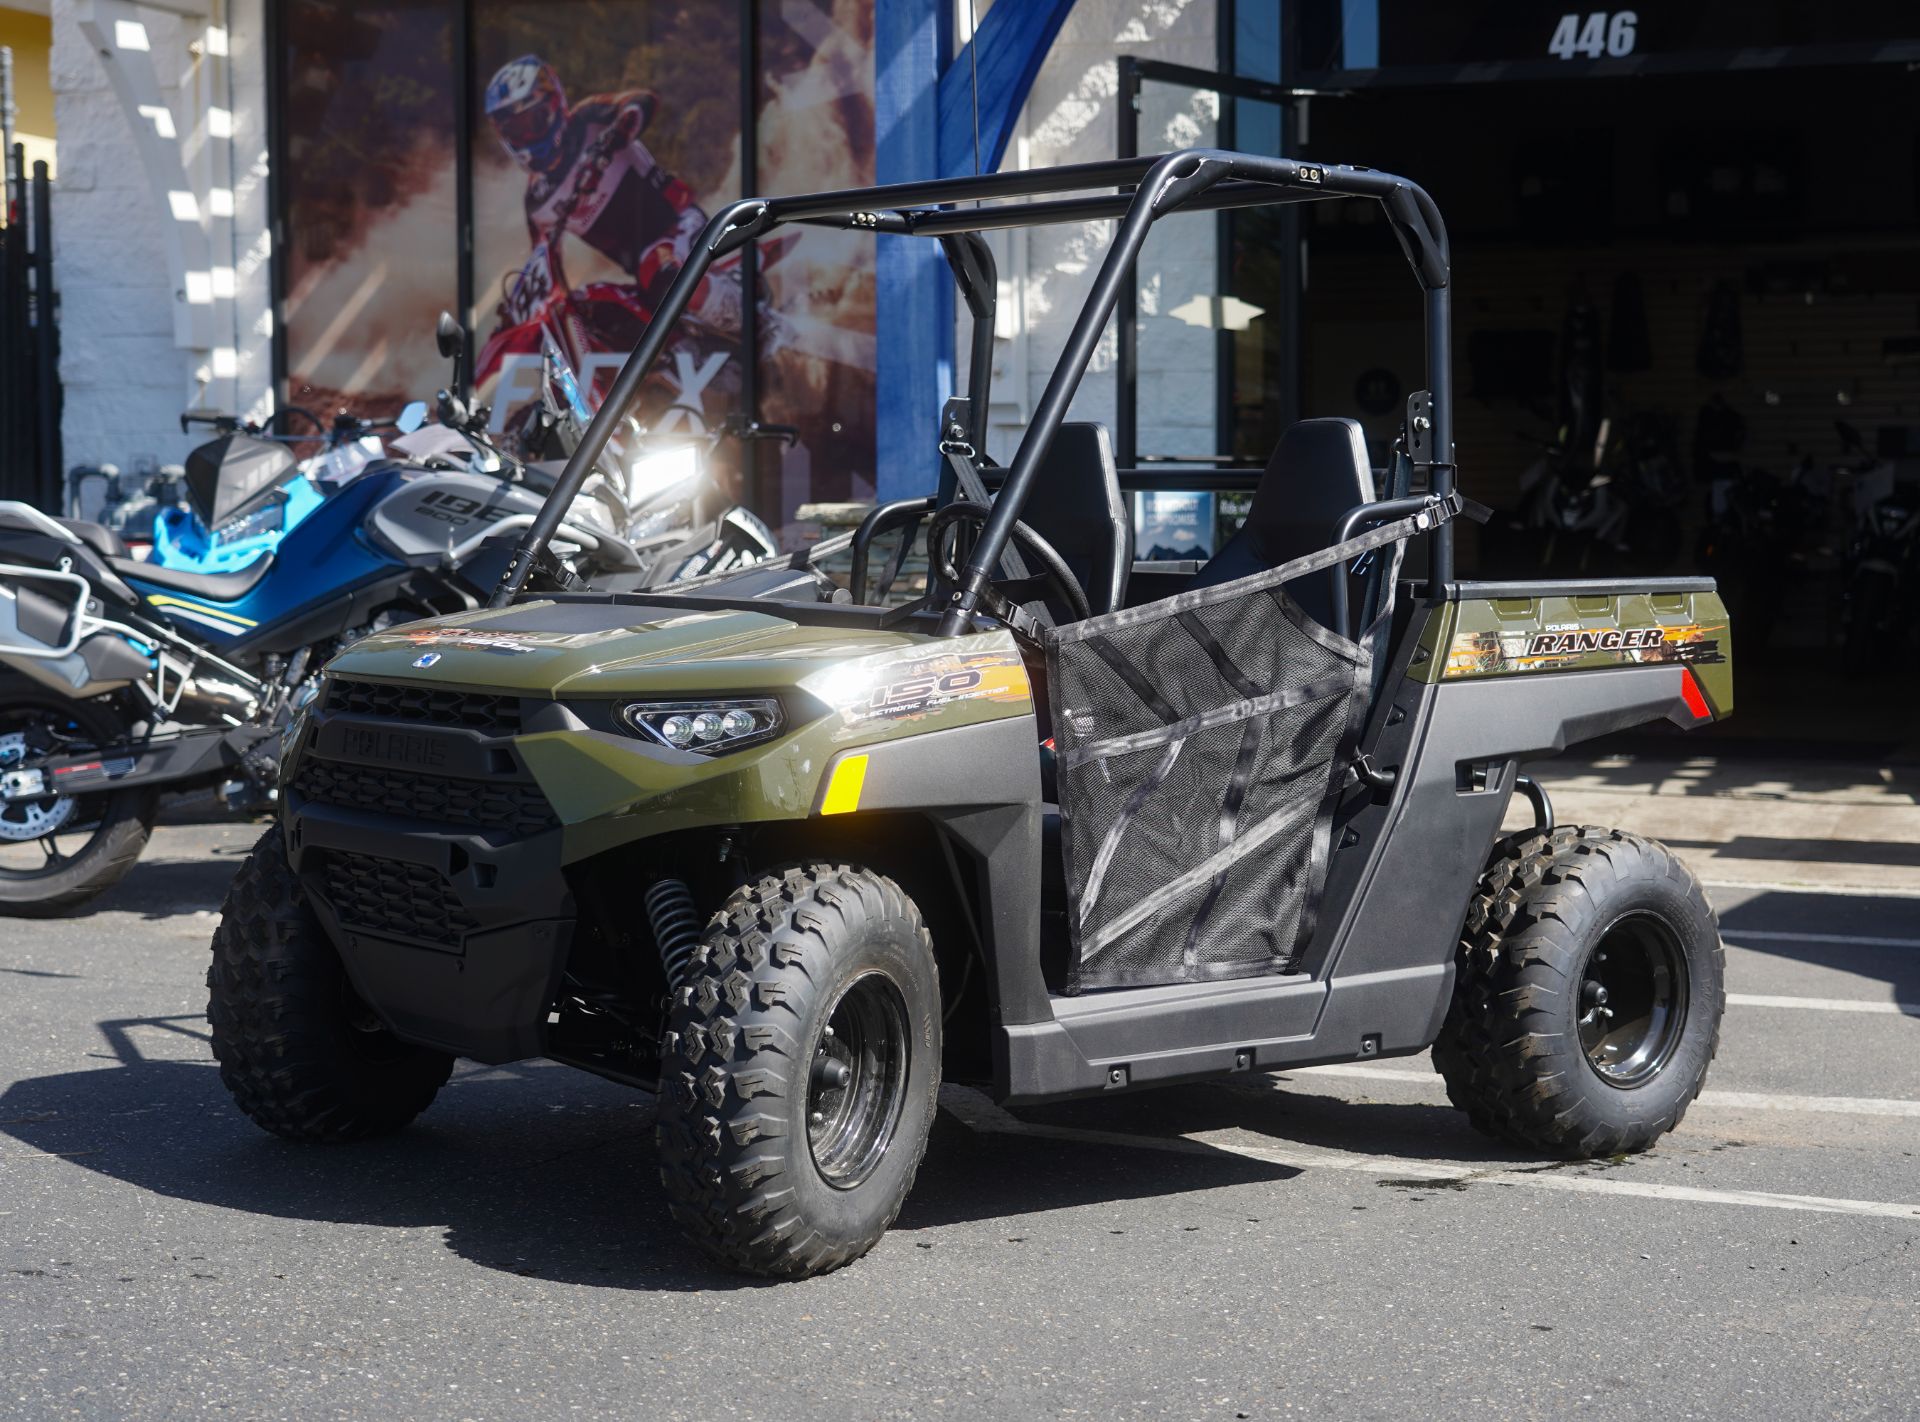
[973,489]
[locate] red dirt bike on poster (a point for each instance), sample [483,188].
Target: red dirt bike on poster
[540,303]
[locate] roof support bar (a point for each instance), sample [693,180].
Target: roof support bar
[1195,179]
[1173,177]
[975,275]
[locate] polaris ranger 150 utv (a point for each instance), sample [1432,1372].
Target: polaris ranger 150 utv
[1069,824]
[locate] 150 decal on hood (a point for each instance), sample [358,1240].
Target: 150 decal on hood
[918,685]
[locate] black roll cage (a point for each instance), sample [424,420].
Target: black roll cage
[1148,188]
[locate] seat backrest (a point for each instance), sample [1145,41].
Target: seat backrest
[98,537]
[1318,471]
[1077,506]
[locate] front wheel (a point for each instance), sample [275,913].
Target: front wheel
[799,1071]
[58,851]
[303,1056]
[1588,1001]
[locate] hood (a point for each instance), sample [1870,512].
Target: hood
[547,649]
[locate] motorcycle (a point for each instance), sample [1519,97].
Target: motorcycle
[1885,562]
[242,491]
[673,497]
[120,677]
[1755,544]
[1624,503]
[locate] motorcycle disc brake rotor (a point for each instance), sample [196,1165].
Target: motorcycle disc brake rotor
[22,821]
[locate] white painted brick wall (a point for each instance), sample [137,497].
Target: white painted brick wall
[126,380]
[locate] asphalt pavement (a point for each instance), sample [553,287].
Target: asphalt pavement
[1334,1242]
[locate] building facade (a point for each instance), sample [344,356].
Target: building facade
[264,203]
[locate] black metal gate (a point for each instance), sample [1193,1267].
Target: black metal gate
[30,456]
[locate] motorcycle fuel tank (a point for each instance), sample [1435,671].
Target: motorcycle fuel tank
[446,512]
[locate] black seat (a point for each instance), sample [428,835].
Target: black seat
[1318,472]
[208,587]
[97,536]
[1077,506]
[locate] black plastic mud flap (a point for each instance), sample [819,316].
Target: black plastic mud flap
[455,942]
[488,1002]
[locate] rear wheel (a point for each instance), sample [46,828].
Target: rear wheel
[1587,1006]
[799,1071]
[303,1056]
[58,851]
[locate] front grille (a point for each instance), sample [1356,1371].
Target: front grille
[427,705]
[386,896]
[483,804]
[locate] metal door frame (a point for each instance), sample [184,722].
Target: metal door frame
[1133,73]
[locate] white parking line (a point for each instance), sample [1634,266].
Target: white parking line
[1841,1105]
[987,1119]
[1845,891]
[1823,1004]
[1736,936]
[1727,1100]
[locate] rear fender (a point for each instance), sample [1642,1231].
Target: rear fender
[1507,674]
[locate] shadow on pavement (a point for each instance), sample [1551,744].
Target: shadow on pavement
[530,1169]
[163,888]
[203,807]
[1836,915]
[1806,851]
[1290,1110]
[1689,764]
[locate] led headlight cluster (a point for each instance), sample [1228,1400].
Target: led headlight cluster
[706,727]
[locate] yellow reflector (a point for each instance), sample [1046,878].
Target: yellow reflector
[843,791]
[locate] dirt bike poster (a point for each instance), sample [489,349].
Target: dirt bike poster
[607,134]
[369,192]
[602,134]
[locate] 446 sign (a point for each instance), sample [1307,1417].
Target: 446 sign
[1597,34]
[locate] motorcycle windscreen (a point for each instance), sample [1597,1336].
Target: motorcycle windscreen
[233,476]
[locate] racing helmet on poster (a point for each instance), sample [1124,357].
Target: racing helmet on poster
[528,109]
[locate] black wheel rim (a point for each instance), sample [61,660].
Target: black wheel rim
[1633,1001]
[858,1080]
[44,835]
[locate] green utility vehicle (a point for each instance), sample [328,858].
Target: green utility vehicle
[1069,824]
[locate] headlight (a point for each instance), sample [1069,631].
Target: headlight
[653,473]
[706,727]
[1889,518]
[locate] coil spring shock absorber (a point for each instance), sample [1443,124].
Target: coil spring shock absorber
[676,926]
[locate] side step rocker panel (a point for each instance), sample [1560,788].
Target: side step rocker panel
[1378,977]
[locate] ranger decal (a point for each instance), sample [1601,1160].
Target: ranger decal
[1489,653]
[1611,639]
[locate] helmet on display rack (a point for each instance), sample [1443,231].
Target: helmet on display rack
[528,109]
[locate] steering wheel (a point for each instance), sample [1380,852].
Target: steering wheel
[1052,566]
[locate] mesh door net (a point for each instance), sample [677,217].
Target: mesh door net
[1201,743]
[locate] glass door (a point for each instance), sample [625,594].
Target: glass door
[1206,330]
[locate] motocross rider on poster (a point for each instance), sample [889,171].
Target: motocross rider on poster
[590,174]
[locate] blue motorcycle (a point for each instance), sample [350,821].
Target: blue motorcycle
[243,491]
[120,677]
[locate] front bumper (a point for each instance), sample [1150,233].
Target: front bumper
[434,866]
